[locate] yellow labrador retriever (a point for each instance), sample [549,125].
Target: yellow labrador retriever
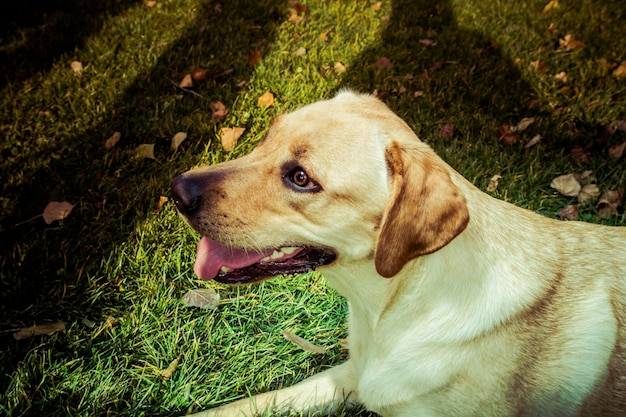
[460,304]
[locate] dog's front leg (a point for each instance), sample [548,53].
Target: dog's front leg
[321,393]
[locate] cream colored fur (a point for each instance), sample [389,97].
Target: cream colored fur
[459,304]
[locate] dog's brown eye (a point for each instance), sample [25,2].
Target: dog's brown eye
[300,178]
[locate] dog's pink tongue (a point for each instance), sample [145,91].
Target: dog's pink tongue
[212,256]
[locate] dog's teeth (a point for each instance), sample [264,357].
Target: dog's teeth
[266,259]
[276,255]
[225,269]
[289,250]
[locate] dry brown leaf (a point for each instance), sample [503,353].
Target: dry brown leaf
[159,204]
[145,150]
[301,51]
[76,66]
[552,4]
[609,203]
[219,111]
[535,140]
[384,63]
[254,58]
[112,141]
[303,343]
[427,42]
[39,329]
[507,137]
[569,212]
[538,65]
[199,74]
[186,82]
[339,67]
[620,71]
[57,210]
[561,77]
[579,153]
[266,100]
[568,43]
[377,5]
[229,136]
[171,368]
[177,140]
[567,185]
[206,298]
[588,193]
[151,3]
[446,132]
[323,36]
[493,182]
[617,151]
[523,124]
[620,125]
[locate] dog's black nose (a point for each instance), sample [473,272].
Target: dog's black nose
[187,194]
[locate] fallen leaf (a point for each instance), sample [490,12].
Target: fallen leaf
[588,193]
[199,74]
[229,137]
[377,5]
[523,124]
[219,111]
[586,177]
[76,66]
[112,141]
[535,140]
[609,202]
[177,140]
[303,343]
[339,67]
[617,151]
[384,63]
[108,324]
[254,58]
[493,182]
[427,42]
[537,65]
[568,43]
[301,51]
[206,298]
[507,137]
[266,100]
[151,3]
[552,4]
[186,82]
[620,71]
[569,212]
[561,77]
[145,150]
[159,204]
[57,210]
[579,153]
[323,36]
[567,185]
[39,329]
[552,28]
[171,368]
[446,132]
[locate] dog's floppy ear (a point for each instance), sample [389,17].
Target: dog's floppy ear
[426,210]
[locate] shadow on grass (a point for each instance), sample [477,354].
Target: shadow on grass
[46,266]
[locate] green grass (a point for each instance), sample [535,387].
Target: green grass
[115,260]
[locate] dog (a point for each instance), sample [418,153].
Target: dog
[460,304]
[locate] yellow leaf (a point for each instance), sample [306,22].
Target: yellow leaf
[171,368]
[552,4]
[177,140]
[145,150]
[266,100]
[229,136]
[76,66]
[56,210]
[620,71]
[206,298]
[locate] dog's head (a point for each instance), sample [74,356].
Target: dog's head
[336,181]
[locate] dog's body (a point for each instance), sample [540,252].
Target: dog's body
[460,304]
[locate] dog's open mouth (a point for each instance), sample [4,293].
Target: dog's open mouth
[237,266]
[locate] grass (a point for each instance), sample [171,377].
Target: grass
[115,269]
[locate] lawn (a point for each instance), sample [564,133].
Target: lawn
[462,73]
